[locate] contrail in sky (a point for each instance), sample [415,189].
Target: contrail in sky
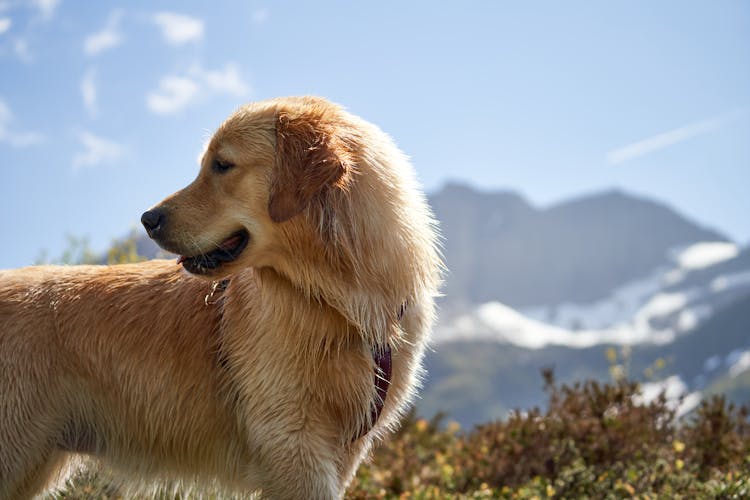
[670,138]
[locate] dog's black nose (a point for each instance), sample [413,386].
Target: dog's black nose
[153,221]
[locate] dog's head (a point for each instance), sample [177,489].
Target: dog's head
[320,196]
[263,168]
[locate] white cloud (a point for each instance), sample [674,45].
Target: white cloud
[96,151]
[174,94]
[261,15]
[226,81]
[47,8]
[177,92]
[5,115]
[21,49]
[670,138]
[5,24]
[89,93]
[10,136]
[109,37]
[179,28]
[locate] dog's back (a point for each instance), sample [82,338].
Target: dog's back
[113,361]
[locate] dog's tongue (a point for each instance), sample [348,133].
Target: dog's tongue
[227,245]
[230,243]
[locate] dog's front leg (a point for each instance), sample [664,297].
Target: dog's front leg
[301,466]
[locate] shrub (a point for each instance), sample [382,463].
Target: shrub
[593,440]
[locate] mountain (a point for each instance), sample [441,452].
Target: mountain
[561,286]
[146,247]
[499,247]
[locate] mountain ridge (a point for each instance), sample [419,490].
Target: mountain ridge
[500,247]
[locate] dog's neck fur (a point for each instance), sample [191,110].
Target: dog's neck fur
[379,253]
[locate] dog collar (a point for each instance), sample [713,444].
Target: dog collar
[217,288]
[383,372]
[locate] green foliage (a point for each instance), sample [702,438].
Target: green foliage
[78,251]
[594,441]
[124,251]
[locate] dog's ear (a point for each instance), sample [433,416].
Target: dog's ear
[310,157]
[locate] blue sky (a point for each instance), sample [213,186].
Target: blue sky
[104,106]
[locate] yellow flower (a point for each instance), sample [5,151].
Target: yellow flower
[679,464]
[550,491]
[421,425]
[678,446]
[617,372]
[447,470]
[611,355]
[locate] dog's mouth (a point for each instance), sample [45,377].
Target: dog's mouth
[227,251]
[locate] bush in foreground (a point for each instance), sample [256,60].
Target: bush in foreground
[594,440]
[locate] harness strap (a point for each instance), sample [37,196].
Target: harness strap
[382,380]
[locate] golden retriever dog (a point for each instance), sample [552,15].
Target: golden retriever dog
[286,338]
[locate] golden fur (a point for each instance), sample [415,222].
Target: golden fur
[267,389]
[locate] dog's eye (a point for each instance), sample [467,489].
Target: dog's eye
[221,166]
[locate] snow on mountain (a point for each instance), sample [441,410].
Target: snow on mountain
[706,254]
[700,256]
[496,321]
[655,309]
[618,307]
[676,392]
[738,361]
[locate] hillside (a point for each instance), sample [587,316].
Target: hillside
[476,381]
